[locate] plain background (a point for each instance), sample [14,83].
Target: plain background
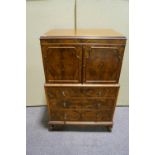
[13,77]
[44,15]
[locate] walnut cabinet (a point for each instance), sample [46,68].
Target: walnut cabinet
[82,70]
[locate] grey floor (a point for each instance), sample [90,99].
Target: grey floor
[76,141]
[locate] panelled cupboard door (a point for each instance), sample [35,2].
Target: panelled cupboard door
[62,64]
[102,64]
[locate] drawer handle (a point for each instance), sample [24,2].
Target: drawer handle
[64,104]
[63,93]
[77,56]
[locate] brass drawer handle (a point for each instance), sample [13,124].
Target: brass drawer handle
[64,104]
[78,57]
[63,93]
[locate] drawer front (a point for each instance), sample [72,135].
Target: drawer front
[82,110]
[76,92]
[81,103]
[97,115]
[64,115]
[81,115]
[87,104]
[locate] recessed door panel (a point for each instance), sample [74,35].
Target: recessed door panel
[102,64]
[63,64]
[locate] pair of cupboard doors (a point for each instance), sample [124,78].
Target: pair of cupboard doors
[82,63]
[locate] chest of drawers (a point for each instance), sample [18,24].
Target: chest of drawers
[82,70]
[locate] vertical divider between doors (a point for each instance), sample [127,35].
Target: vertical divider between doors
[82,61]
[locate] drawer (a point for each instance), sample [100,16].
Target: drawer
[64,115]
[81,115]
[97,115]
[80,91]
[87,104]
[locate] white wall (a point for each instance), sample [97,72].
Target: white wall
[43,15]
[108,14]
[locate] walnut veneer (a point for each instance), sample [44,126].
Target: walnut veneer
[82,70]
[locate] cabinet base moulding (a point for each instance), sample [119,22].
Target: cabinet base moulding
[54,124]
[79,123]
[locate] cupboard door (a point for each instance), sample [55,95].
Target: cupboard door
[102,64]
[62,64]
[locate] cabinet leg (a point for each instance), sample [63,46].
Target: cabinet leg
[109,128]
[51,127]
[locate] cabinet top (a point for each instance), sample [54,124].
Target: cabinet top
[82,33]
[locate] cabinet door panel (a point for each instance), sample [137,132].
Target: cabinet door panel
[63,64]
[102,64]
